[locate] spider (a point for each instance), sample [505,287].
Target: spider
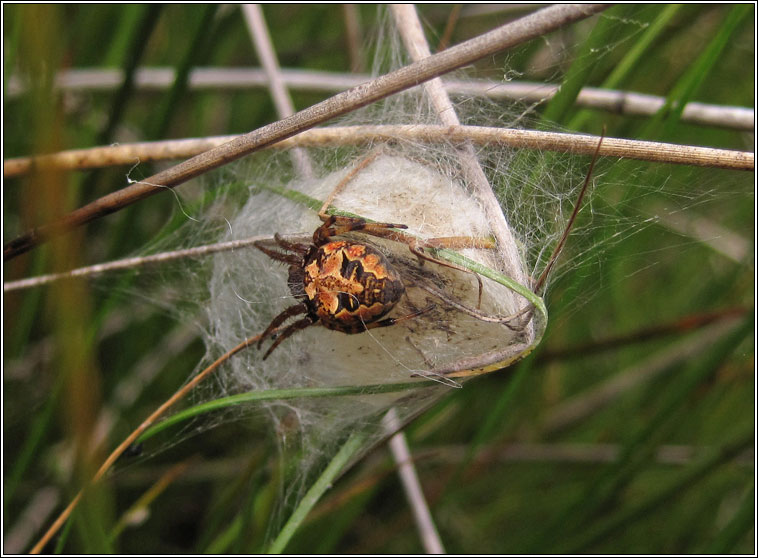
[346,286]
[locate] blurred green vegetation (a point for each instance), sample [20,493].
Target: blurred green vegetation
[67,348]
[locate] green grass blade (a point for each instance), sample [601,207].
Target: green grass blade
[131,59]
[322,484]
[60,543]
[631,60]
[578,75]
[42,422]
[278,394]
[198,50]
[636,54]
[737,529]
[685,481]
[662,125]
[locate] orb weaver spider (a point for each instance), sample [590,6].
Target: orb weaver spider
[346,286]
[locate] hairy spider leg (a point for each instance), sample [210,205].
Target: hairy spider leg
[336,225]
[310,320]
[418,251]
[392,321]
[460,242]
[289,330]
[291,259]
[476,313]
[298,247]
[301,308]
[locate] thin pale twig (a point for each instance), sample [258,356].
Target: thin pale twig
[409,26]
[526,28]
[282,100]
[129,263]
[628,103]
[401,453]
[579,144]
[196,252]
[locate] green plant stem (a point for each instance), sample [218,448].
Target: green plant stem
[336,465]
[278,394]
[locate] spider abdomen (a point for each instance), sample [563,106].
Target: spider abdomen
[349,285]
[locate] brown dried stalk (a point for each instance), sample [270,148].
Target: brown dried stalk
[134,262]
[267,56]
[529,27]
[580,144]
[129,440]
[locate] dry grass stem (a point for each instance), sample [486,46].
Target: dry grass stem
[401,454]
[524,29]
[409,26]
[539,283]
[452,21]
[562,452]
[141,507]
[627,103]
[679,326]
[281,97]
[129,263]
[129,440]
[354,37]
[580,144]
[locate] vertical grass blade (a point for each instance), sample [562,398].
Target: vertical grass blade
[322,484]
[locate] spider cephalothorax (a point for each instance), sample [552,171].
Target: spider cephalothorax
[346,286]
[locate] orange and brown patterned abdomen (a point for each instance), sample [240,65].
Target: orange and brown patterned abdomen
[350,285]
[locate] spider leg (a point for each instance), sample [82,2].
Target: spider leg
[280,319]
[289,330]
[460,242]
[521,317]
[297,247]
[392,321]
[336,225]
[278,256]
[418,251]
